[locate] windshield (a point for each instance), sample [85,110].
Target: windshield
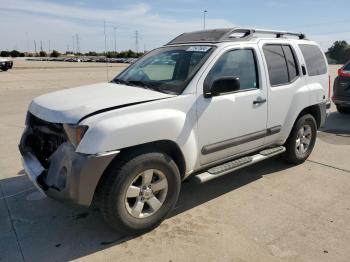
[167,69]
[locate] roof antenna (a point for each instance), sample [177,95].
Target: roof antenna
[104,30]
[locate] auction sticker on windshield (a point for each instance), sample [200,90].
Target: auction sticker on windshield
[198,48]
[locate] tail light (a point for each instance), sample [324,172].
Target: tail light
[342,72]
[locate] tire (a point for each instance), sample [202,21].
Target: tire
[301,140]
[127,179]
[343,110]
[4,68]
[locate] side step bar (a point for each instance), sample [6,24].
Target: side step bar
[236,164]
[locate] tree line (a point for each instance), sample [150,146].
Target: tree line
[110,54]
[339,52]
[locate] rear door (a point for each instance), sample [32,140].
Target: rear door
[286,87]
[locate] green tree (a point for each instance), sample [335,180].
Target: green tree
[91,53]
[43,54]
[14,53]
[339,51]
[55,53]
[5,53]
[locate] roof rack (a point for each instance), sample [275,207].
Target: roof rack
[278,33]
[228,34]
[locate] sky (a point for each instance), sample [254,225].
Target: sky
[54,24]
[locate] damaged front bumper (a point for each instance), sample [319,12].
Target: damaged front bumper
[70,176]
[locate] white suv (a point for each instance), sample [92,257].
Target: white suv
[205,104]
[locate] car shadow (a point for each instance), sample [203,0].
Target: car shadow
[46,228]
[336,130]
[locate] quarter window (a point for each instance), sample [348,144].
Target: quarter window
[281,64]
[314,59]
[236,63]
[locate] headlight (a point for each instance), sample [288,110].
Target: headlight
[75,133]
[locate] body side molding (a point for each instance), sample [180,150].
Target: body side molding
[239,140]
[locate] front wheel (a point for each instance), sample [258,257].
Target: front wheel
[138,195]
[4,68]
[301,140]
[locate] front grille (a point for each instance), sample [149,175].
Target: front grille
[45,138]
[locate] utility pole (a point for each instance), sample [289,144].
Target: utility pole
[104,32]
[49,46]
[41,45]
[136,41]
[77,47]
[27,42]
[204,14]
[115,39]
[73,50]
[35,46]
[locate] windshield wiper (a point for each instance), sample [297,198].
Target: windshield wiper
[139,83]
[120,81]
[147,86]
[130,82]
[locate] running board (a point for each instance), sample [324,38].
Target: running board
[236,164]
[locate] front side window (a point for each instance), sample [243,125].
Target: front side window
[167,69]
[238,63]
[281,64]
[314,59]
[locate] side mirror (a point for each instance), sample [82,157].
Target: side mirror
[223,85]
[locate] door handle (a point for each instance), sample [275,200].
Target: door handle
[259,101]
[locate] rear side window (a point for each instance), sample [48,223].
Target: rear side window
[281,64]
[291,63]
[315,62]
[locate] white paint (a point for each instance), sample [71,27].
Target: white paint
[189,120]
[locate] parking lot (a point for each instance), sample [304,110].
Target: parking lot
[272,211]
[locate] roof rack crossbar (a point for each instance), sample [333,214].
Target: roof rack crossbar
[228,34]
[279,34]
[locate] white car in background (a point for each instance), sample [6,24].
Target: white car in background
[205,104]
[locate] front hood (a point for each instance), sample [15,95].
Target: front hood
[71,105]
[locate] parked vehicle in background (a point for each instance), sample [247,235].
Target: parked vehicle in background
[341,89]
[205,104]
[5,64]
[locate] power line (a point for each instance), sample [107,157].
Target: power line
[136,41]
[115,39]
[78,43]
[73,44]
[104,31]
[27,42]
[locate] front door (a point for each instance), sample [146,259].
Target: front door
[232,123]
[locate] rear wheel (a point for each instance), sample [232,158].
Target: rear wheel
[4,68]
[138,195]
[343,110]
[301,140]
